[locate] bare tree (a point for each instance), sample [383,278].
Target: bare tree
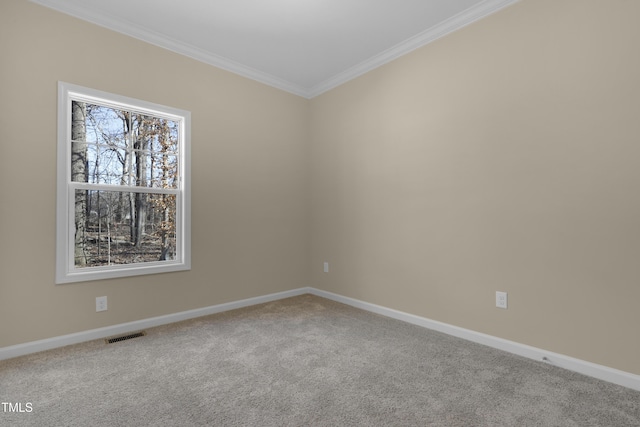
[141,145]
[79,173]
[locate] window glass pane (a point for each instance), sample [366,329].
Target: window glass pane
[155,134]
[105,165]
[161,170]
[108,126]
[99,144]
[115,227]
[165,139]
[115,147]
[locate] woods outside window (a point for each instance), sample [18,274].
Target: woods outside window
[123,186]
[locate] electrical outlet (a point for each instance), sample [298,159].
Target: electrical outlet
[326,267]
[101,303]
[501,299]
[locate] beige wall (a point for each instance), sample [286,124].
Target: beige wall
[501,157]
[505,157]
[249,177]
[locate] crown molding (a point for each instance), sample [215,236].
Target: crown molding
[144,34]
[430,35]
[452,24]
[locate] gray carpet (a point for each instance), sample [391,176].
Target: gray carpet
[302,361]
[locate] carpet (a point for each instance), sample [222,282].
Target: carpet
[301,361]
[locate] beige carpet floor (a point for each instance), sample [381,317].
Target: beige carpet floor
[302,361]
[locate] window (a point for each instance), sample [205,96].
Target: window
[123,199]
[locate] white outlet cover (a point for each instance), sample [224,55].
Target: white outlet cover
[326,267]
[501,299]
[101,303]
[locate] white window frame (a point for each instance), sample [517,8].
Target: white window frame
[66,272]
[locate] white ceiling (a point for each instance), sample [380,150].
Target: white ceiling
[305,47]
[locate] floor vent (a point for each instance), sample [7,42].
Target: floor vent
[125,337]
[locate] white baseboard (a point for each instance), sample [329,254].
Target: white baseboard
[601,372]
[594,370]
[93,334]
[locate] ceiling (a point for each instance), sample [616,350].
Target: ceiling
[305,47]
